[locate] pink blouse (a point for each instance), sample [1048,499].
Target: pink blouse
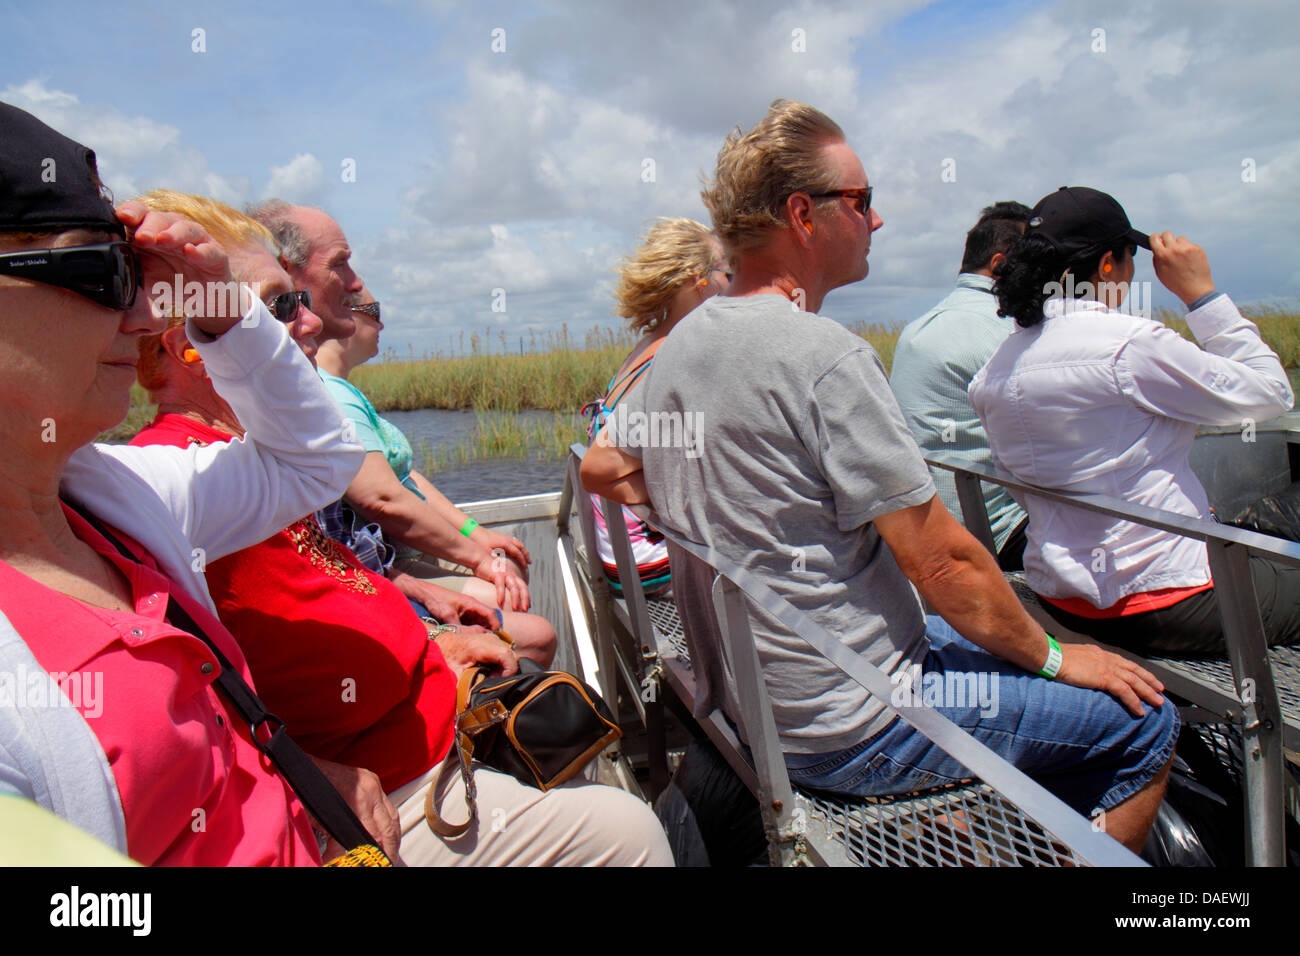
[195,790]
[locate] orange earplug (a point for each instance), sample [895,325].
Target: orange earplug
[190,356]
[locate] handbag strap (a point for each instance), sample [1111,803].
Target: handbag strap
[312,787]
[469,724]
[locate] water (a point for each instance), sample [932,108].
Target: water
[498,478]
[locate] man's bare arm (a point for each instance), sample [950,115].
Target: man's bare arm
[963,584]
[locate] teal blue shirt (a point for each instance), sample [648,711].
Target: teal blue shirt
[936,357]
[374,432]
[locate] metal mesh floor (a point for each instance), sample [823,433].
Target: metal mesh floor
[1286,675]
[960,825]
[1218,673]
[668,629]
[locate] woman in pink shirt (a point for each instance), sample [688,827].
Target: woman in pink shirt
[193,787]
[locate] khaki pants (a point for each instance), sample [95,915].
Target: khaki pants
[578,823]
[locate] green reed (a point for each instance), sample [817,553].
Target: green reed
[555,373]
[499,435]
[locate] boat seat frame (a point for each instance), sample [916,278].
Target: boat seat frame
[1257,689]
[1000,817]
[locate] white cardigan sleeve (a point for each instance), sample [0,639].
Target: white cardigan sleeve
[299,454]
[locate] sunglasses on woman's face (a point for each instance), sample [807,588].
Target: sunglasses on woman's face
[370,308]
[285,305]
[107,273]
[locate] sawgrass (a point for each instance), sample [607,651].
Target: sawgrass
[555,374]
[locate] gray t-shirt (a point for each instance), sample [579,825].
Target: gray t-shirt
[790,443]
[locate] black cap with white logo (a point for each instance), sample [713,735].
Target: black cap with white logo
[48,181]
[1078,221]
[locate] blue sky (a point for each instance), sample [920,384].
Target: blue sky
[521,169]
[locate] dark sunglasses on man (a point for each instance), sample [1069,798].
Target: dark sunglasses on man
[285,305]
[863,197]
[107,273]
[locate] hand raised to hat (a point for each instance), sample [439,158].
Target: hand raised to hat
[173,249]
[1181,266]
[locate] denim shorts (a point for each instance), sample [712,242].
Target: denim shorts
[1082,745]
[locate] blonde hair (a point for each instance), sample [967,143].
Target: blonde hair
[226,225]
[673,253]
[757,171]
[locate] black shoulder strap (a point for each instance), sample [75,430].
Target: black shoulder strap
[315,791]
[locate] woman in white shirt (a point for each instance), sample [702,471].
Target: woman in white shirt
[1085,398]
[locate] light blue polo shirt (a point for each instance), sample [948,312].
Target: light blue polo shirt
[936,357]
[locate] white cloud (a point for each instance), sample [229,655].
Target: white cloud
[134,153]
[533,181]
[301,180]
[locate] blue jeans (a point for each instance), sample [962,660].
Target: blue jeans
[1082,745]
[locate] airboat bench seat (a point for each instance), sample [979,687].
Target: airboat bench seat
[1257,689]
[999,817]
[1206,683]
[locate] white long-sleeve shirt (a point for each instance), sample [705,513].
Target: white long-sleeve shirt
[186,507]
[191,506]
[1092,400]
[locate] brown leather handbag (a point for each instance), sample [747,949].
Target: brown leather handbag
[541,727]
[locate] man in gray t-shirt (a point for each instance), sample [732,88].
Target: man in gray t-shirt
[788,479]
[771,435]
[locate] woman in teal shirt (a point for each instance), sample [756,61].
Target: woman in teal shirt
[409,509]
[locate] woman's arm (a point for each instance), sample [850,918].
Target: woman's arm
[378,496]
[612,473]
[1234,376]
[513,547]
[298,454]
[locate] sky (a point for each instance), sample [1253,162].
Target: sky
[472,147]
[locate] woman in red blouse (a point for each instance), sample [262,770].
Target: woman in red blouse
[337,651]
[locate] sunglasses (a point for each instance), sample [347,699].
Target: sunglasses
[285,305]
[107,273]
[370,308]
[863,197]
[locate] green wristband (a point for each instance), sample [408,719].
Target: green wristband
[1053,664]
[469,527]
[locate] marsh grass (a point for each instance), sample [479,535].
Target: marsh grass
[558,377]
[556,374]
[503,435]
[140,413]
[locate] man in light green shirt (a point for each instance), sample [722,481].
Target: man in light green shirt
[937,356]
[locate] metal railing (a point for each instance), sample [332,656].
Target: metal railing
[1041,827]
[1229,550]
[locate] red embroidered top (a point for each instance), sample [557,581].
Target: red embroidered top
[337,653]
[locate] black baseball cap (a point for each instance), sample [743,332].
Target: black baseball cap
[1077,221]
[48,181]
